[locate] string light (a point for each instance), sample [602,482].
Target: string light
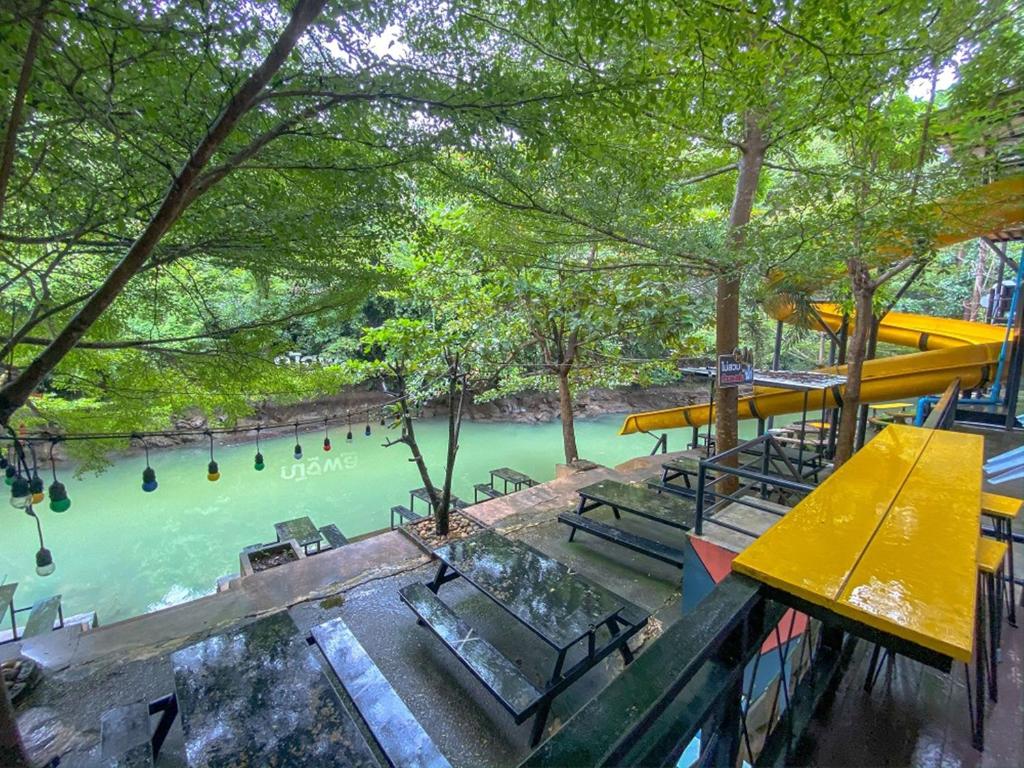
[9,470]
[327,437]
[21,496]
[59,501]
[367,431]
[298,448]
[44,558]
[149,483]
[348,437]
[36,485]
[258,464]
[212,470]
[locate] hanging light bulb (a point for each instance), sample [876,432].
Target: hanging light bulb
[367,430]
[258,463]
[212,470]
[37,488]
[21,495]
[149,483]
[382,417]
[348,417]
[59,501]
[327,437]
[44,559]
[44,562]
[298,448]
[35,483]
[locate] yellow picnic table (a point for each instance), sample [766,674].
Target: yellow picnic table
[889,406]
[888,542]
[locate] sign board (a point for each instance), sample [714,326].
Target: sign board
[732,372]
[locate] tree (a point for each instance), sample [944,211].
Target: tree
[447,342]
[579,318]
[685,115]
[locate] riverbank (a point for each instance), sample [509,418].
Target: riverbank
[529,407]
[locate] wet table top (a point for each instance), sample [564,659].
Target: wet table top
[302,529]
[558,605]
[889,540]
[511,476]
[257,696]
[641,500]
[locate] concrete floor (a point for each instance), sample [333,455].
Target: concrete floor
[86,673]
[918,719]
[917,716]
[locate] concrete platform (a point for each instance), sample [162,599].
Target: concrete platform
[116,664]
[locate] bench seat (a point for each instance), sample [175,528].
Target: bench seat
[995,505]
[486,490]
[650,547]
[498,674]
[406,514]
[397,731]
[334,536]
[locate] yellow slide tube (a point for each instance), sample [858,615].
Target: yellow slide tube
[950,348]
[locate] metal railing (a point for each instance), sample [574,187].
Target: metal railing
[693,680]
[761,482]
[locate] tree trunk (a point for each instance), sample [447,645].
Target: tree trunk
[856,351]
[15,393]
[565,410]
[980,272]
[456,399]
[7,151]
[727,294]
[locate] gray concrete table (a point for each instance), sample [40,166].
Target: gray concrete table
[672,511]
[507,475]
[302,529]
[257,696]
[423,495]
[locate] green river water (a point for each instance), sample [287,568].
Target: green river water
[122,552]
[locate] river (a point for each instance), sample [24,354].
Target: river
[122,552]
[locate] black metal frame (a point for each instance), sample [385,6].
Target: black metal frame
[589,502]
[620,630]
[691,679]
[759,482]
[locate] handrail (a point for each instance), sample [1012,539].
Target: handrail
[647,714]
[943,413]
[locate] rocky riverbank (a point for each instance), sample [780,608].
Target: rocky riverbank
[525,407]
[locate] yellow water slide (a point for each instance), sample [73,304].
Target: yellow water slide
[949,349]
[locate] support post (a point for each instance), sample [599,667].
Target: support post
[1016,360]
[776,359]
[862,414]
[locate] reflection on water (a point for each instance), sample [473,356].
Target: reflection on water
[121,551]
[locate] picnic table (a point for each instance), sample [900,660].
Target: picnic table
[302,529]
[563,609]
[638,500]
[257,696]
[423,495]
[511,476]
[886,547]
